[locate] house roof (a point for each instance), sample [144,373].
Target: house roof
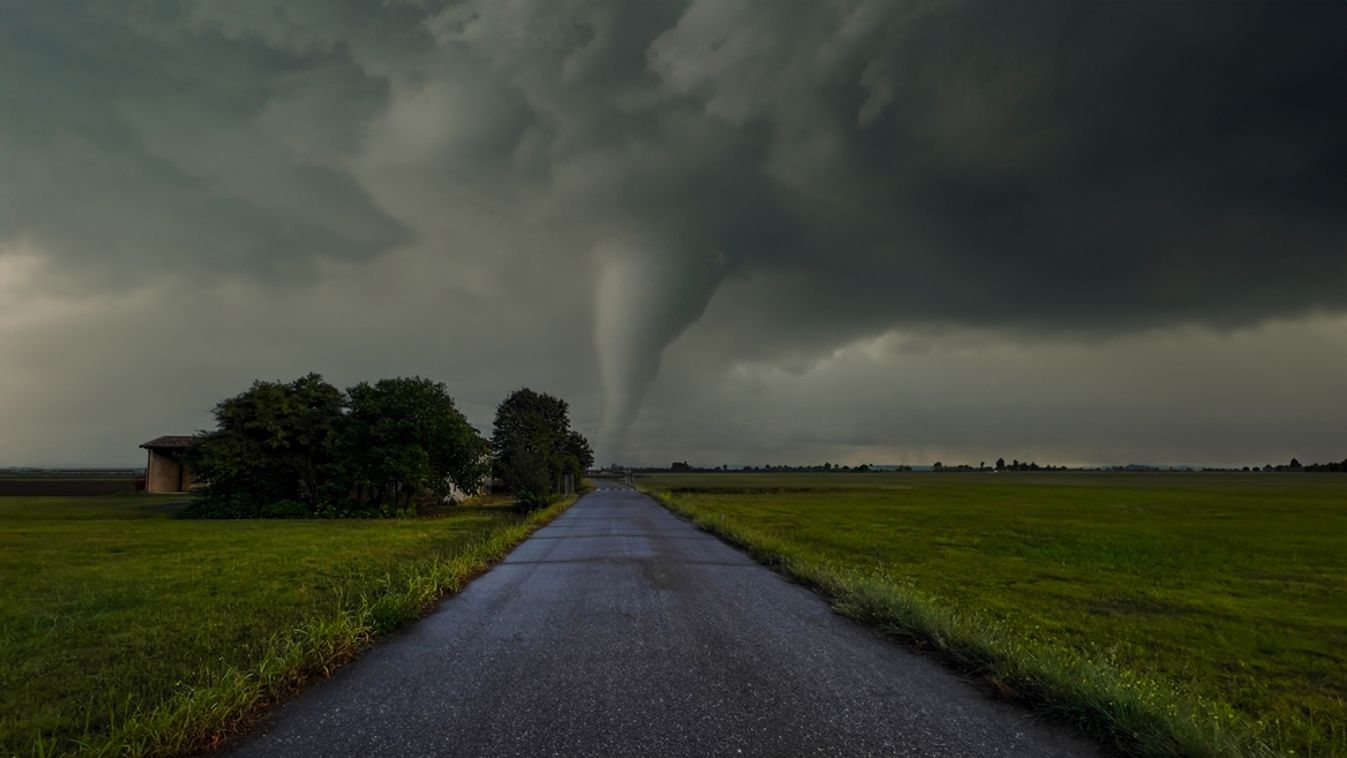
[170,441]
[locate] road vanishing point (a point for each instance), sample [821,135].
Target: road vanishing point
[622,630]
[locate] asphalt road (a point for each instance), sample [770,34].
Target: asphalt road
[621,630]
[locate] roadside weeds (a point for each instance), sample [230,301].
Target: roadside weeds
[205,716]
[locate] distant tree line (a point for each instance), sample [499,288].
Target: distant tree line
[827,468]
[1016,465]
[1295,465]
[685,467]
[306,449]
[941,467]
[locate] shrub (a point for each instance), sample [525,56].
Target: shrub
[286,509]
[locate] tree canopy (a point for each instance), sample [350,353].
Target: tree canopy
[272,444]
[533,446]
[305,448]
[404,436]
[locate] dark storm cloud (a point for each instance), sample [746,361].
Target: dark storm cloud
[1060,166]
[132,144]
[1055,165]
[805,174]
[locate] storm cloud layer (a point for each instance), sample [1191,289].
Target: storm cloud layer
[657,207]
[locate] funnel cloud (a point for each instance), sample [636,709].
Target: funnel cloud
[644,300]
[732,231]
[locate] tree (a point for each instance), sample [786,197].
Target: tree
[404,437]
[582,455]
[1000,464]
[271,445]
[295,450]
[533,446]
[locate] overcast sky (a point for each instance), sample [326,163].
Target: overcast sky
[726,231]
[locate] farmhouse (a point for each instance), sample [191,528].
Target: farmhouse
[167,469]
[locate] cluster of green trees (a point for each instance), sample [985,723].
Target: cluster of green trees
[307,449]
[534,447]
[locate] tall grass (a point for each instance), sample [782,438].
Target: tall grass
[202,716]
[1140,715]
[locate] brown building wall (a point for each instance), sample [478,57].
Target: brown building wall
[164,474]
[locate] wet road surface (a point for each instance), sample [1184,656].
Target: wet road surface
[621,630]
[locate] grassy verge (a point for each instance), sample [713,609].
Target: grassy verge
[129,632]
[1169,616]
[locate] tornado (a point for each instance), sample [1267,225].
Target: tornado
[646,297]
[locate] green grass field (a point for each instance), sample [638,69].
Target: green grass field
[1172,613]
[135,632]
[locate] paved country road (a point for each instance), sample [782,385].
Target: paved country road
[621,630]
